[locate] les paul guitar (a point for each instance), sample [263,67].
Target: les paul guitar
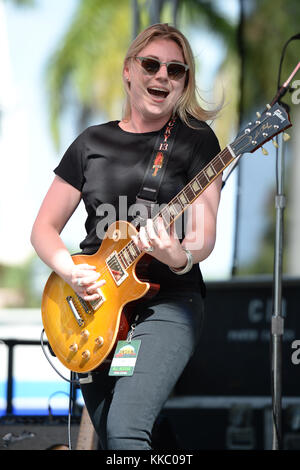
[83,334]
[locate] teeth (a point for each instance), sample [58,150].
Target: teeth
[156,91]
[159,89]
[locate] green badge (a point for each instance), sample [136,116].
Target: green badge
[125,356]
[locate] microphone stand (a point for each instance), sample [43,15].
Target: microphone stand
[277,322]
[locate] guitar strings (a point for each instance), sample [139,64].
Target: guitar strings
[131,243]
[127,246]
[212,162]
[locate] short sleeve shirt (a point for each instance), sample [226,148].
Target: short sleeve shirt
[108,164]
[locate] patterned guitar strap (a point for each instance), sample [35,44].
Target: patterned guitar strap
[147,195]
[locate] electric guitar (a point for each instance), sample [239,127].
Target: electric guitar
[83,334]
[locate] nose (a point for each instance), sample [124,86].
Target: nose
[162,72]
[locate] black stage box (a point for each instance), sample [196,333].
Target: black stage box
[239,423]
[233,357]
[37,432]
[189,428]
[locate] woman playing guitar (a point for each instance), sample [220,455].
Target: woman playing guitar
[105,166]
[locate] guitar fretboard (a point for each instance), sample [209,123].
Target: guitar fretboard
[183,200]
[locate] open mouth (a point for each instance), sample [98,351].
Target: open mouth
[158,92]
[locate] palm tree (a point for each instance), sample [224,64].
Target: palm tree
[91,53]
[22,3]
[84,66]
[267,27]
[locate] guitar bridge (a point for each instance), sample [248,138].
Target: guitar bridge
[116,269]
[78,303]
[74,310]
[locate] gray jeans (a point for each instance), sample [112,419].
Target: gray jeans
[124,409]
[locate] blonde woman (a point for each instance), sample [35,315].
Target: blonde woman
[105,167]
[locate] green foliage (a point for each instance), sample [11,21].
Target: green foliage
[264,261]
[203,14]
[21,3]
[268,26]
[18,280]
[89,60]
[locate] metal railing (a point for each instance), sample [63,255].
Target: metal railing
[11,343]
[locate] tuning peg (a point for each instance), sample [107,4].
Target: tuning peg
[275,143]
[258,114]
[264,151]
[268,106]
[286,136]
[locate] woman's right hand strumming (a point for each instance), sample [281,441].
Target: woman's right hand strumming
[84,280]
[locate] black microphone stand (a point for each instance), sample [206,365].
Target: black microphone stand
[277,321]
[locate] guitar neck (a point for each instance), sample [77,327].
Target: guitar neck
[270,123]
[195,187]
[170,212]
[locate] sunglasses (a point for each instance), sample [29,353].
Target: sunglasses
[175,70]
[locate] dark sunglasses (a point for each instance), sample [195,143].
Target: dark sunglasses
[152,66]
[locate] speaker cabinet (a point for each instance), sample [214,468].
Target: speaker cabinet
[234,356]
[36,433]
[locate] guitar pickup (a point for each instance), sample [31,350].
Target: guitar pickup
[95,304]
[116,269]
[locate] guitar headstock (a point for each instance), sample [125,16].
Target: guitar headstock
[266,126]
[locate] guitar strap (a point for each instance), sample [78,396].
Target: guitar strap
[157,167]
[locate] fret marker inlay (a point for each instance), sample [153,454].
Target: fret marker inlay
[210,172]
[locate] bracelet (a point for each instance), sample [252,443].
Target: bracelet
[188,266]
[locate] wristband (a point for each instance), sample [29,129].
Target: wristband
[188,266]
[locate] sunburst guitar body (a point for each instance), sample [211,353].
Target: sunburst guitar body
[82,334]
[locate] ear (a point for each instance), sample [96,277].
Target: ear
[126,73]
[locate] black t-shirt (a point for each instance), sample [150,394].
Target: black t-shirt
[108,164]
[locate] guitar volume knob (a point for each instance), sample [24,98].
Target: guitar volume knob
[86,354]
[73,347]
[99,341]
[85,334]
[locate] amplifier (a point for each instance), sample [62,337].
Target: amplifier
[234,354]
[36,433]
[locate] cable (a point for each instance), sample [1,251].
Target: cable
[72,381]
[296,36]
[70,415]
[49,400]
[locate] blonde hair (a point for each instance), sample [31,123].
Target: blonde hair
[187,106]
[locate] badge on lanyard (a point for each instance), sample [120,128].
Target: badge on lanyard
[125,357]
